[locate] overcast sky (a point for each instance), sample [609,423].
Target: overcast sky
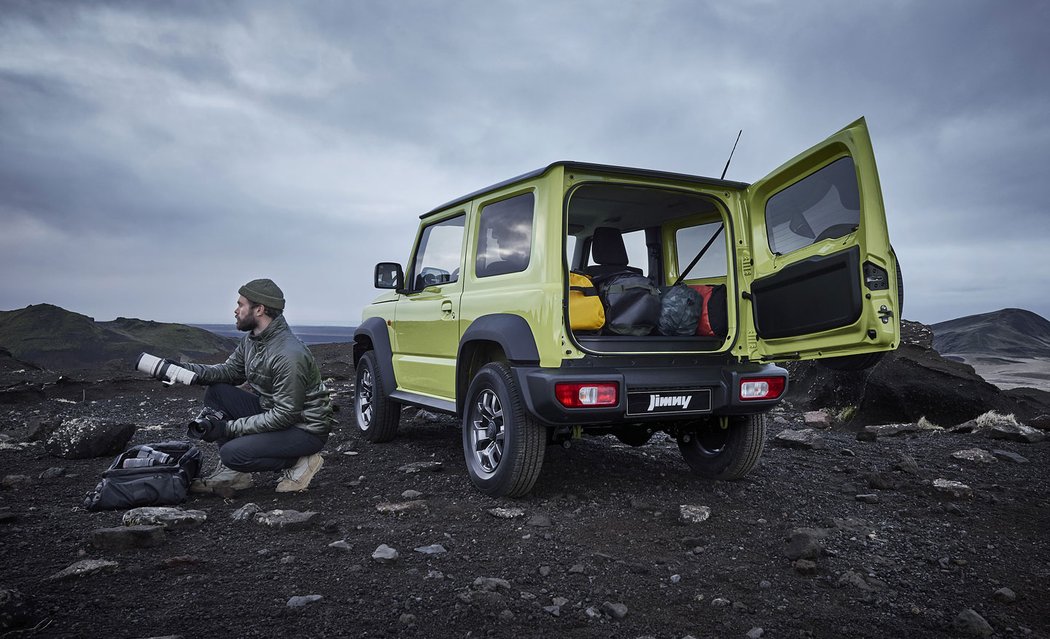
[154,156]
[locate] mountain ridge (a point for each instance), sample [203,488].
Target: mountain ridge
[52,337]
[1009,332]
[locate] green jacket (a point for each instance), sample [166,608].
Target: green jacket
[283,373]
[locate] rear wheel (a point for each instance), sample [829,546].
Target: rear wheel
[376,414]
[502,445]
[731,452]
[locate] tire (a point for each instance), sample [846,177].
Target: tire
[714,452]
[502,445]
[376,414]
[634,436]
[851,363]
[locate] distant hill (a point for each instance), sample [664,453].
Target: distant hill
[1009,333]
[54,338]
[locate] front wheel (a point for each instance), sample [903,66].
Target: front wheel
[377,415]
[728,449]
[502,445]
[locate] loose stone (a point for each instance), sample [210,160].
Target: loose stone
[401,508]
[805,567]
[85,568]
[287,519]
[970,623]
[491,584]
[385,554]
[974,455]
[411,494]
[1006,455]
[952,489]
[1005,595]
[164,516]
[806,439]
[869,498]
[245,512]
[689,514]
[755,633]
[506,513]
[304,600]
[614,610]
[433,549]
[418,467]
[340,545]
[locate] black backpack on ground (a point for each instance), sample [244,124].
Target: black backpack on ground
[147,475]
[632,303]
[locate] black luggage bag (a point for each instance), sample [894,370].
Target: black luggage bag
[147,475]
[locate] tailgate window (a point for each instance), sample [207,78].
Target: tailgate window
[821,206]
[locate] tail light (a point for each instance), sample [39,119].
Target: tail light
[581,394]
[754,388]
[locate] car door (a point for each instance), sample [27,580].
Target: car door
[426,327]
[822,280]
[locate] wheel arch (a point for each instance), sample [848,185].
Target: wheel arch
[372,335]
[499,337]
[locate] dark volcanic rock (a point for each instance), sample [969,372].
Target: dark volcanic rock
[87,437]
[15,609]
[128,537]
[912,382]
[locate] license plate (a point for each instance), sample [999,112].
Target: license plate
[669,402]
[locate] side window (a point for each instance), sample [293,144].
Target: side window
[691,239]
[437,259]
[821,206]
[505,236]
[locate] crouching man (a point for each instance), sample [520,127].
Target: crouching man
[284,422]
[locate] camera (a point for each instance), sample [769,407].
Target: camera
[199,424]
[145,457]
[164,370]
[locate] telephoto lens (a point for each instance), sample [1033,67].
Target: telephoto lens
[164,370]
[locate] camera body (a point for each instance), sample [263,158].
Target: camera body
[164,370]
[199,424]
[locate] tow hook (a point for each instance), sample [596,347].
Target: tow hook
[575,433]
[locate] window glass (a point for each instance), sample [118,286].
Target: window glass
[691,239]
[570,249]
[821,206]
[437,259]
[505,236]
[637,253]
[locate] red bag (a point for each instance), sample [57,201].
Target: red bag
[713,317]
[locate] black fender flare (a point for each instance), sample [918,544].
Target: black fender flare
[511,332]
[374,330]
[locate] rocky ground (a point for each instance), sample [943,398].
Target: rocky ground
[837,534]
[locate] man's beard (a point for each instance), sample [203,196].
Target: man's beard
[249,323]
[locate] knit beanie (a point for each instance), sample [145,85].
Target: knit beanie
[263,292]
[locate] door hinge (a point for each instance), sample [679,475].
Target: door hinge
[885,314]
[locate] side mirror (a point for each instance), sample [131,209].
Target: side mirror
[389,275]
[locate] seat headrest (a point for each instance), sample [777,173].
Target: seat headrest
[607,247]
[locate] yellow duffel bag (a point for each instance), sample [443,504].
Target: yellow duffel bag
[586,312]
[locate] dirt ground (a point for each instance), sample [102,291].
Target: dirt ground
[599,536]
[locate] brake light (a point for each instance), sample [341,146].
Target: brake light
[580,394]
[761,388]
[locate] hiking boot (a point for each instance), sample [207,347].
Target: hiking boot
[223,481]
[298,477]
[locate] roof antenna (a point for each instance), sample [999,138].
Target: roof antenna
[731,155]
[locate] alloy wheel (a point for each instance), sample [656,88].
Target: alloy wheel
[487,434]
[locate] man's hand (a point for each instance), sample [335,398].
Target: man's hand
[215,430]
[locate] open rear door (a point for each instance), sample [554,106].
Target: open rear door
[823,281]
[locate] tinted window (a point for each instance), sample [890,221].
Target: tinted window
[821,206]
[437,259]
[505,236]
[691,239]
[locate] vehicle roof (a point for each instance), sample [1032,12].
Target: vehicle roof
[591,167]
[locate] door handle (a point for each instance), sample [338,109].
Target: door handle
[446,307]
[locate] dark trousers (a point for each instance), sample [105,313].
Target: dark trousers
[275,450]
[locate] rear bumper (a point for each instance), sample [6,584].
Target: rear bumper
[704,391]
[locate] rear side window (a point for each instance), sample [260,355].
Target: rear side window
[690,240]
[821,206]
[505,236]
[437,259]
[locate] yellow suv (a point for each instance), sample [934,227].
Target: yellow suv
[483,323]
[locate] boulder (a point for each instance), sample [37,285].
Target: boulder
[87,437]
[907,384]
